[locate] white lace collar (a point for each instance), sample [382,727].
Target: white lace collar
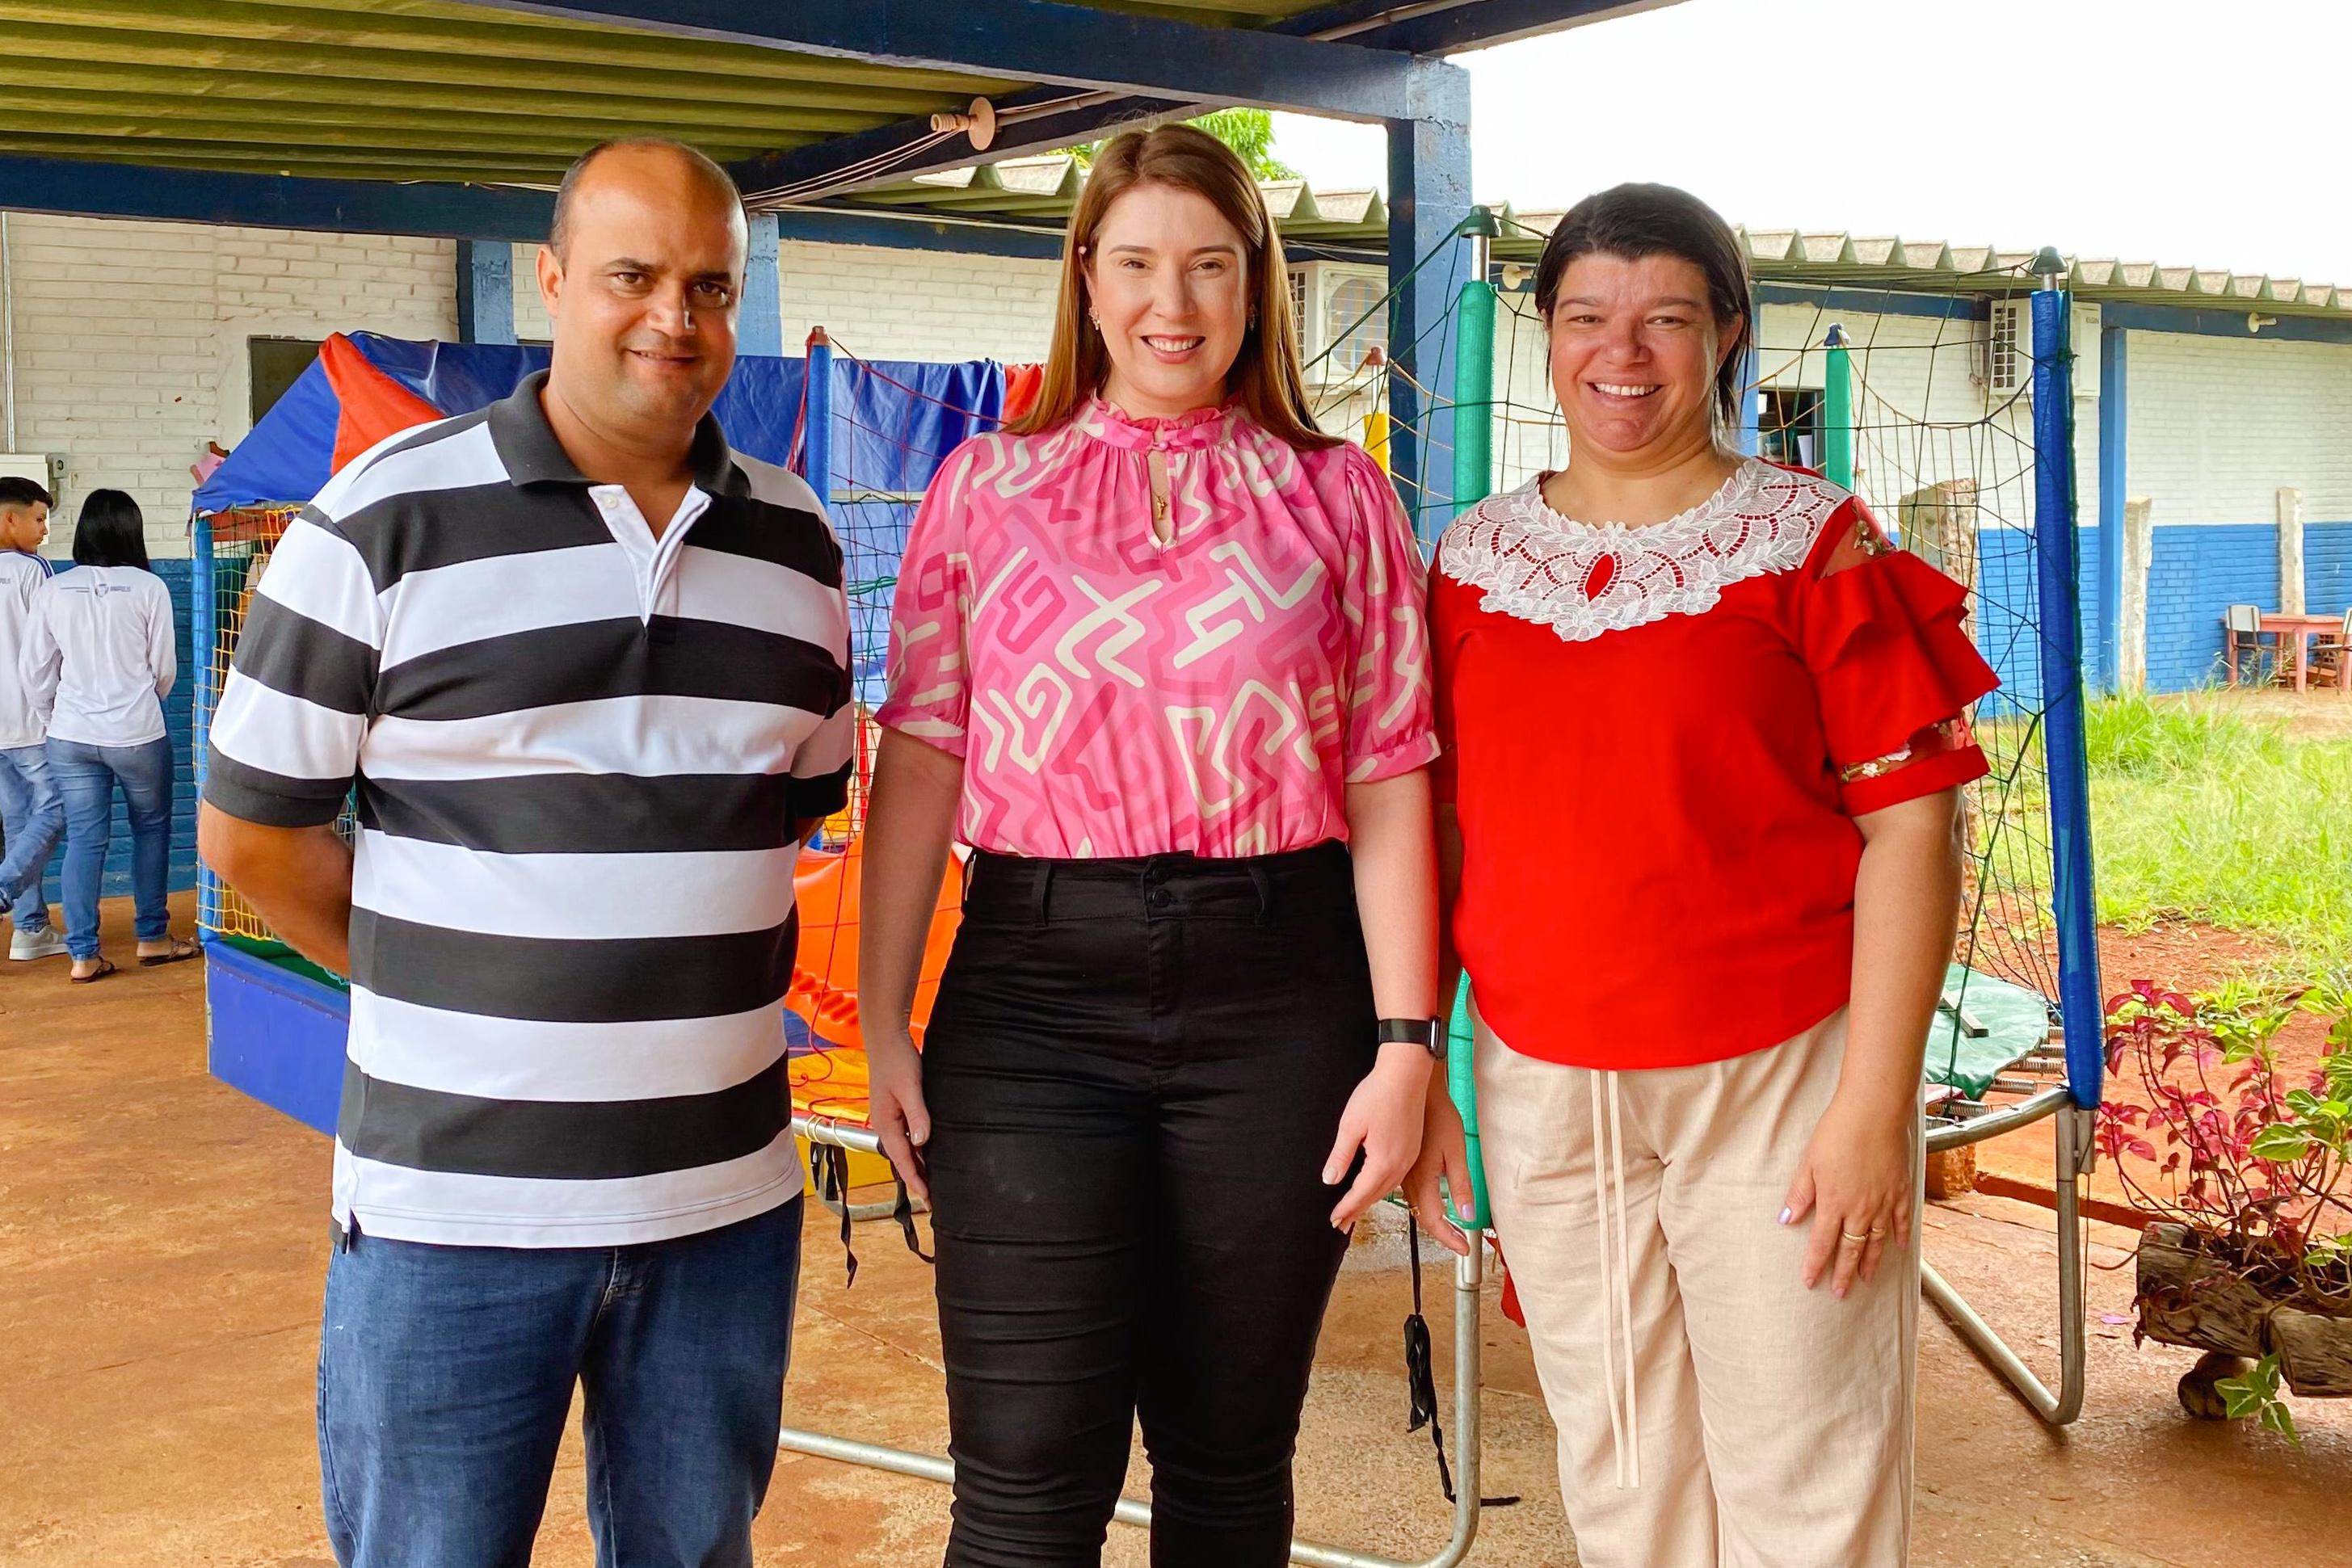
[1582,579]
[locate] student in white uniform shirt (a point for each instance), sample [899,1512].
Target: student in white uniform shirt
[32,817]
[98,661]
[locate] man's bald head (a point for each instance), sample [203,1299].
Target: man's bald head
[690,164]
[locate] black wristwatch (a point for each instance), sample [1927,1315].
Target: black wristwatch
[1427,1033]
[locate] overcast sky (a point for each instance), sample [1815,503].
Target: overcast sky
[2215,133]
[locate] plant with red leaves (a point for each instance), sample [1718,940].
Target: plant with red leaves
[2252,1167]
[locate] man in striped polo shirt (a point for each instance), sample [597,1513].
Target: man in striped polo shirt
[588,671]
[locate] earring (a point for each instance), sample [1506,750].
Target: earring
[1253,320]
[1096,319]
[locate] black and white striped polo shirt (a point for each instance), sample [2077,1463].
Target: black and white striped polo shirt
[579,754]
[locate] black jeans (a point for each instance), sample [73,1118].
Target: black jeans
[1135,1069]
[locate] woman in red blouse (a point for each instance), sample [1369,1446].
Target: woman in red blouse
[1705,732]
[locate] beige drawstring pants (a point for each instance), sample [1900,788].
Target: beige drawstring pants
[1713,1413]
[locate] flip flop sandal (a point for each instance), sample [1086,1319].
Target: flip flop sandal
[182,951]
[105,968]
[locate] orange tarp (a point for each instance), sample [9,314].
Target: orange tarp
[826,888]
[374,405]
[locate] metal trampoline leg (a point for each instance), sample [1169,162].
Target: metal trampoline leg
[2073,1135]
[1468,1274]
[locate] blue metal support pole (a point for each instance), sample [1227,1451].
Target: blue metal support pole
[2058,552]
[202,627]
[760,318]
[2115,481]
[816,436]
[485,291]
[1429,195]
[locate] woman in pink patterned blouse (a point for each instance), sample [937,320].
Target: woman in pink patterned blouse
[1158,657]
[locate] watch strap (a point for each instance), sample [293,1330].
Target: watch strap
[1427,1033]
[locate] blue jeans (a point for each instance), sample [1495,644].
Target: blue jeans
[445,1377]
[85,777]
[32,819]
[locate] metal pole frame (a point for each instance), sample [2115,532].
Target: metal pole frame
[1837,410]
[816,433]
[203,629]
[1468,1274]
[2072,1131]
[2058,597]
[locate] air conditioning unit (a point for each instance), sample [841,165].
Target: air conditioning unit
[2008,346]
[1343,316]
[46,469]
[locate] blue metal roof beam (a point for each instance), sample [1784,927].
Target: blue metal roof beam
[1044,41]
[1450,29]
[88,188]
[902,150]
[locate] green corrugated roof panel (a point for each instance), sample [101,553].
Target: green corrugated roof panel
[431,90]
[413,89]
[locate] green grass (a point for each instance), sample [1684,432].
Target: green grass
[2200,813]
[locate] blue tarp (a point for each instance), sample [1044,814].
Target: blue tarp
[893,420]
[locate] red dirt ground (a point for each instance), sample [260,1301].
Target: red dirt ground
[162,1240]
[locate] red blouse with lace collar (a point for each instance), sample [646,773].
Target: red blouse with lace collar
[1656,741]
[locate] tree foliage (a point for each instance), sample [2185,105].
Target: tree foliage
[1248,131]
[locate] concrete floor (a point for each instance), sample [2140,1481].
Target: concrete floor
[162,1240]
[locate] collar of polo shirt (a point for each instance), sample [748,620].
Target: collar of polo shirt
[527,446]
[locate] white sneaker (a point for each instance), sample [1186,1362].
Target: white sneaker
[26,945]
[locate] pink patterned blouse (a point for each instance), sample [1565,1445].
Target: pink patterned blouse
[1115,697]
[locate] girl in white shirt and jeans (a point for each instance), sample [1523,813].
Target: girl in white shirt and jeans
[98,660]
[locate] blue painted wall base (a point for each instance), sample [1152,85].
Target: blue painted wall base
[2196,570]
[275,1035]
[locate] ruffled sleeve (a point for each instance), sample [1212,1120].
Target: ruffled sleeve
[1383,596]
[929,672]
[1895,673]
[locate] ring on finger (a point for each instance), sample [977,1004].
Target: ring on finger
[1849,1237]
[1878,1233]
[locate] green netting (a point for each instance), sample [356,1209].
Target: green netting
[269,950]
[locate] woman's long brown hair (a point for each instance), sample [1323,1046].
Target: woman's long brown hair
[1265,377]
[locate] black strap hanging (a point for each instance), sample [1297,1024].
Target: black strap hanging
[829,1165]
[903,1211]
[829,1168]
[1420,1377]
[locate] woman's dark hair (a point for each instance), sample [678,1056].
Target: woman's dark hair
[110,531]
[1637,220]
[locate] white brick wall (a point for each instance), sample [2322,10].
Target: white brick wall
[2219,425]
[918,305]
[132,338]
[531,315]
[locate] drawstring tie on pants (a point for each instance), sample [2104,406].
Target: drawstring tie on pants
[1624,1424]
